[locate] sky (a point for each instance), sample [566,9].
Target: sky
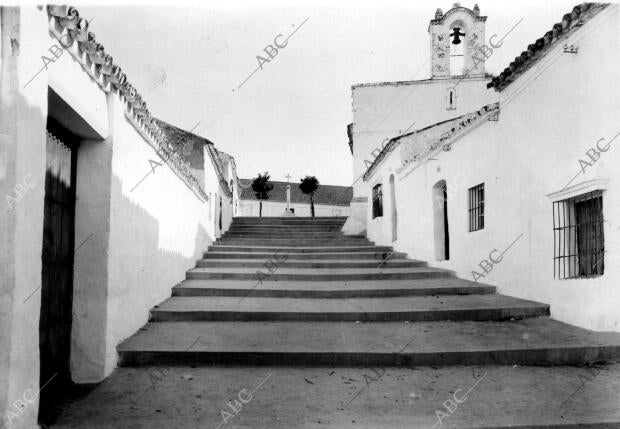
[190,62]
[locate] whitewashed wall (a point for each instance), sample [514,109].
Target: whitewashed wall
[532,151]
[157,232]
[139,243]
[274,209]
[22,154]
[386,110]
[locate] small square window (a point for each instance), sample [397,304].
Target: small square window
[579,241]
[377,201]
[476,208]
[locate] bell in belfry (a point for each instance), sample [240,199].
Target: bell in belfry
[456,34]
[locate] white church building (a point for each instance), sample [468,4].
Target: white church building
[509,180]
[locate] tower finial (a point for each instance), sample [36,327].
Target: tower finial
[476,10]
[438,13]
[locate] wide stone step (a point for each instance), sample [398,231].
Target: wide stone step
[331,289]
[256,219]
[539,341]
[287,234]
[296,241]
[317,263]
[300,228]
[324,226]
[292,222]
[293,242]
[316,274]
[423,308]
[294,230]
[292,236]
[288,220]
[290,256]
[316,218]
[299,249]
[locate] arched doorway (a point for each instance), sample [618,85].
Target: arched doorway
[394,214]
[440,221]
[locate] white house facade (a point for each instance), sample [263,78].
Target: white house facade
[521,188]
[101,214]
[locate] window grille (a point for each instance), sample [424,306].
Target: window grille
[377,201]
[476,208]
[579,242]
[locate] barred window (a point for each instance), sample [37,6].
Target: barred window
[476,208]
[377,201]
[579,242]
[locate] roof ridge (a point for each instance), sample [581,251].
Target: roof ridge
[570,23]
[395,141]
[292,183]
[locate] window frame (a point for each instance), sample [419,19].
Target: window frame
[579,244]
[377,201]
[475,207]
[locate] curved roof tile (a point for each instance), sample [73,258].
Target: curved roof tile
[560,31]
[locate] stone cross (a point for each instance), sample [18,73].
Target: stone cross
[288,193]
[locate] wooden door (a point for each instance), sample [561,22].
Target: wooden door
[393,212]
[56,276]
[446,229]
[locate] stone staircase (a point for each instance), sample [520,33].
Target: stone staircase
[297,292]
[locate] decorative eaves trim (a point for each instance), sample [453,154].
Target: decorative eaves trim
[72,32]
[468,123]
[579,189]
[217,165]
[461,123]
[535,51]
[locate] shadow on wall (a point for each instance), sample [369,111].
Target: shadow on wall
[140,274]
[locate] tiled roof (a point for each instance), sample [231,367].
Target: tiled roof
[571,22]
[185,144]
[72,32]
[189,146]
[425,140]
[325,194]
[220,168]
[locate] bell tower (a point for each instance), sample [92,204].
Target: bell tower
[455,38]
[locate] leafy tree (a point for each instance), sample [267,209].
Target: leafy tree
[261,188]
[308,186]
